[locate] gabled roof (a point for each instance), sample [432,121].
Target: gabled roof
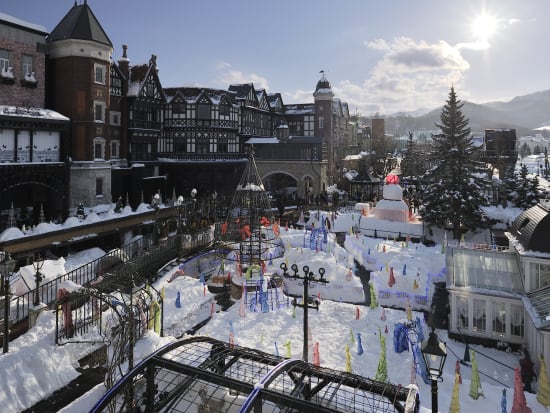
[204,99]
[532,228]
[79,23]
[263,102]
[141,75]
[245,92]
[190,94]
[276,102]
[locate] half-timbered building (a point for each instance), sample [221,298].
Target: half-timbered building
[200,146]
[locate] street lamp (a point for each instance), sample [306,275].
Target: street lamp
[37,264]
[179,204]
[8,265]
[307,278]
[434,353]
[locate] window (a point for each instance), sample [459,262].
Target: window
[27,65]
[539,274]
[99,111]
[517,324]
[5,65]
[114,118]
[114,149]
[178,107]
[99,73]
[462,313]
[479,316]
[499,319]
[99,148]
[224,110]
[99,187]
[321,122]
[203,111]
[202,147]
[309,126]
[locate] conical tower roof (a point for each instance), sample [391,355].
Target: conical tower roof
[79,23]
[250,233]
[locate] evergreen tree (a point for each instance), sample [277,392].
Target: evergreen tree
[523,189]
[410,164]
[453,190]
[412,167]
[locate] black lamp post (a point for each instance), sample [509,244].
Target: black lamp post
[434,353]
[38,264]
[180,204]
[307,278]
[8,265]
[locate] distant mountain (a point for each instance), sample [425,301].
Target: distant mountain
[523,113]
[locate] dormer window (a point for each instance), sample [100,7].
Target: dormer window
[523,225]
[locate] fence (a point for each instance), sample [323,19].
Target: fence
[143,256]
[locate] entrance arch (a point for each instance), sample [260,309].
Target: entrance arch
[281,184]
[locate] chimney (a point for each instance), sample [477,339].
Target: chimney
[124,62]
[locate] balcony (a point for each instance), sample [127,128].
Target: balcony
[198,123]
[202,157]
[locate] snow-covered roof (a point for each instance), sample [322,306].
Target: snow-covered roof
[31,113]
[255,140]
[18,22]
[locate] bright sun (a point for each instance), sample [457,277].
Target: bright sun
[484,26]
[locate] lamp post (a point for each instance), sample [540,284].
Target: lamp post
[8,265]
[307,278]
[155,204]
[434,353]
[179,204]
[38,264]
[214,197]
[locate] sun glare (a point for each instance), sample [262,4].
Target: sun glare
[484,26]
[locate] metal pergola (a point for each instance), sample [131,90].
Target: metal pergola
[202,374]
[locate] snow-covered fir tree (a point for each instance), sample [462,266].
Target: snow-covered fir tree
[412,164]
[453,191]
[523,189]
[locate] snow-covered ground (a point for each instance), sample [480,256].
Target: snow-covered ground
[37,366]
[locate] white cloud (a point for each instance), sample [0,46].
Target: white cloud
[231,77]
[410,75]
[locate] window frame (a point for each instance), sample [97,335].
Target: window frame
[23,64]
[99,104]
[100,69]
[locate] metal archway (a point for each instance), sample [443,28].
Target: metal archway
[203,374]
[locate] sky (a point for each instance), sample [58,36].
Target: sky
[380,57]
[37,366]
